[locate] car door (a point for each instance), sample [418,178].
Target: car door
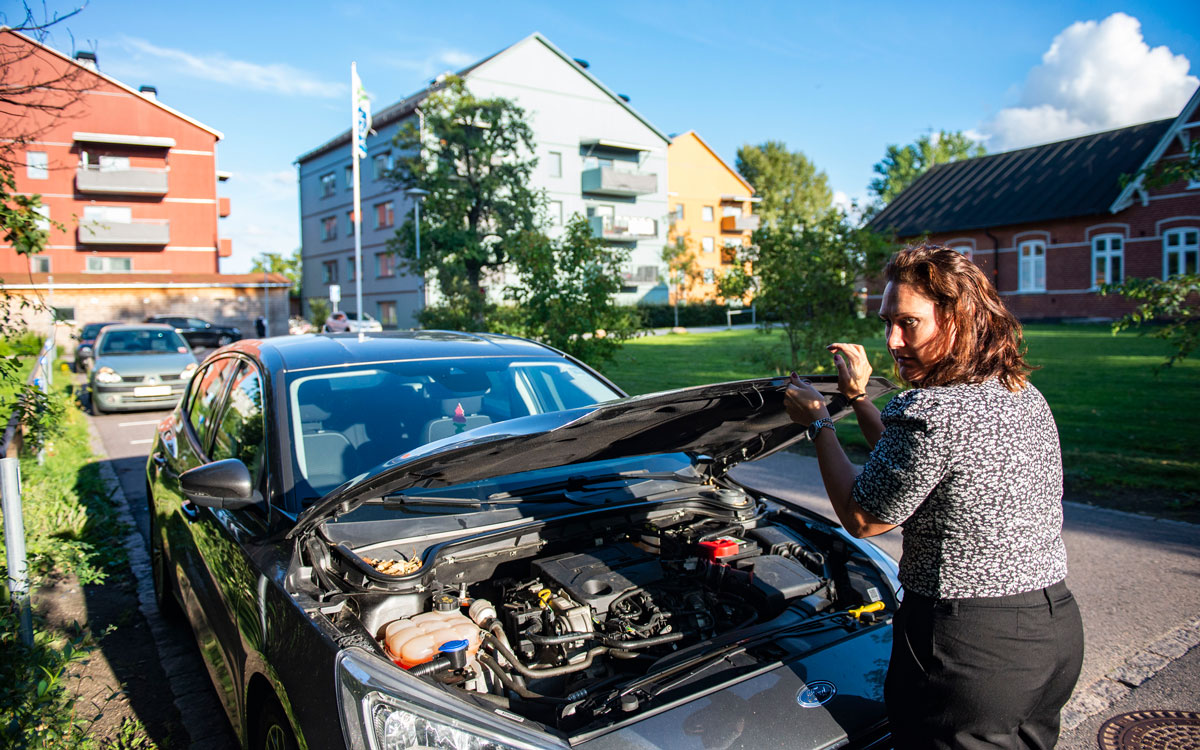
[226,540]
[203,331]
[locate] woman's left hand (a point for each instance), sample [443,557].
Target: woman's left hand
[804,403]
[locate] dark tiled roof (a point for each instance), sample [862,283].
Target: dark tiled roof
[1079,177]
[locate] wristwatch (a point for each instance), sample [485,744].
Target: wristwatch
[817,426]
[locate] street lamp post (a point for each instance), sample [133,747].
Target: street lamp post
[418,196]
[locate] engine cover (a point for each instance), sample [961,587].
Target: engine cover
[597,577]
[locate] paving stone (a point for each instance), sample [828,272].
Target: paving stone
[1174,644]
[1139,668]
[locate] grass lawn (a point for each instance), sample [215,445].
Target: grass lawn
[1129,433]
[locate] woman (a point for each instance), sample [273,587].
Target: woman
[988,641]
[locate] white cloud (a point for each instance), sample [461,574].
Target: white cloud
[1096,76]
[437,62]
[275,77]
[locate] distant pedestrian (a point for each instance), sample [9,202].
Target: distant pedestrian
[337,323]
[988,642]
[260,327]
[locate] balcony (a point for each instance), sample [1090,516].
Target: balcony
[136,232]
[224,247]
[222,207]
[91,178]
[624,228]
[739,223]
[609,181]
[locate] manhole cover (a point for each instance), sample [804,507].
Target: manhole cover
[1151,730]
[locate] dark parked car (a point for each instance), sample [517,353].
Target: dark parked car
[139,366]
[199,332]
[431,539]
[85,343]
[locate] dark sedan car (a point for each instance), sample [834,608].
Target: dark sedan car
[199,332]
[432,539]
[86,342]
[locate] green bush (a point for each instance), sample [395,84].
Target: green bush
[28,344]
[690,316]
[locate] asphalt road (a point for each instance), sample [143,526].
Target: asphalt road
[1135,577]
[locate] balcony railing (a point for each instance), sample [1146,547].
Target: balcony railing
[609,181]
[739,223]
[136,232]
[624,227]
[91,178]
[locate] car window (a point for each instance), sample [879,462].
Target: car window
[242,431]
[211,384]
[141,341]
[194,323]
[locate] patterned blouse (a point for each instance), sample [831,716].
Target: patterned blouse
[974,475]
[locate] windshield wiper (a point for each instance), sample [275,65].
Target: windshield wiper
[580,482]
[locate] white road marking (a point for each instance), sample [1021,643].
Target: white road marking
[138,424]
[147,441]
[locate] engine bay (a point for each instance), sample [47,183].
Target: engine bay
[588,618]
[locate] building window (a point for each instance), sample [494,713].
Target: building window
[382,164]
[554,213]
[108,214]
[385,215]
[677,212]
[329,227]
[706,244]
[39,264]
[1108,259]
[387,314]
[44,222]
[709,276]
[329,272]
[102,264]
[62,314]
[554,163]
[348,177]
[110,163]
[328,184]
[706,213]
[349,223]
[37,165]
[1180,250]
[963,250]
[731,210]
[1032,266]
[350,275]
[385,265]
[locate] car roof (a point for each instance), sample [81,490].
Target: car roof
[137,327]
[308,351]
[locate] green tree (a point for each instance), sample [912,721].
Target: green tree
[475,159]
[810,281]
[682,269]
[565,293]
[792,189]
[290,266]
[902,165]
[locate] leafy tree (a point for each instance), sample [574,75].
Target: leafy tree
[902,165]
[683,270]
[290,266]
[565,294]
[809,282]
[475,160]
[792,189]
[318,311]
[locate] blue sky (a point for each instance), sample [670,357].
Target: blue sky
[838,81]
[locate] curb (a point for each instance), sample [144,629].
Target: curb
[186,676]
[1119,683]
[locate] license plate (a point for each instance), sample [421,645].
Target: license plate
[152,390]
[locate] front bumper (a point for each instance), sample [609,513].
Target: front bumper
[131,397]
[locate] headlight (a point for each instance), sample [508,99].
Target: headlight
[187,371]
[107,375]
[384,709]
[85,350]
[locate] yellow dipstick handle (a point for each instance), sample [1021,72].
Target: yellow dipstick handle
[858,612]
[544,596]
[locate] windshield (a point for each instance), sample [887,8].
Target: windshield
[91,330]
[146,341]
[346,422]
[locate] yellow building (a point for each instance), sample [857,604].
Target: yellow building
[711,215]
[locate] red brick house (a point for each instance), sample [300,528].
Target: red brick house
[1049,224]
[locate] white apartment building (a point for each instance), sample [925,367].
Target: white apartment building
[596,157]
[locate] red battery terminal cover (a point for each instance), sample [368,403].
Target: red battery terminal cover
[718,549]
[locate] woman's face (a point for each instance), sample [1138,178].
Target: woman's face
[911,330]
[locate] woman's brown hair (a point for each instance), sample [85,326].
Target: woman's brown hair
[978,337]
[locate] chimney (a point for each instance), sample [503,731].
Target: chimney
[87,60]
[150,92]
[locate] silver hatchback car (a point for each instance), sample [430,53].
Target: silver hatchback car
[145,366]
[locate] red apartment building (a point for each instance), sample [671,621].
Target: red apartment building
[1050,224]
[130,186]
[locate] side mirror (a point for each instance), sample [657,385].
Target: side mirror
[220,484]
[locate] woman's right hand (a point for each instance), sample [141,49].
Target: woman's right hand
[854,369]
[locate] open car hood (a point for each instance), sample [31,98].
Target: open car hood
[722,425]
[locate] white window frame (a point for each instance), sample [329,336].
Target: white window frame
[966,251]
[554,211]
[554,164]
[1180,248]
[37,165]
[40,260]
[1031,276]
[707,245]
[706,213]
[104,264]
[328,184]
[43,223]
[1102,251]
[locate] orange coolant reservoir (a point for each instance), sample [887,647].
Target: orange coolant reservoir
[415,640]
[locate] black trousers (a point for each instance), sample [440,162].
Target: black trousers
[988,672]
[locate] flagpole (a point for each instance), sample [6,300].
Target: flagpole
[355,148]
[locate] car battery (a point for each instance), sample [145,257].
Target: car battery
[727,549]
